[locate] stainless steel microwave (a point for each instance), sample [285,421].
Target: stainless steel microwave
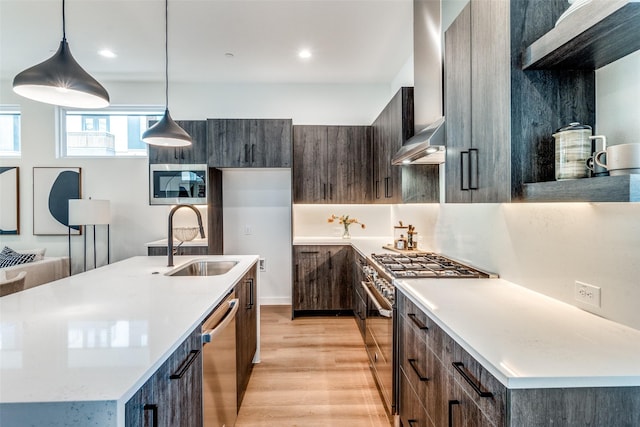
[174,184]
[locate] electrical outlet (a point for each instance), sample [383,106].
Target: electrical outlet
[248,230]
[587,294]
[263,264]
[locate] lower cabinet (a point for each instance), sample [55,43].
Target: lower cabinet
[246,330]
[441,384]
[173,395]
[182,250]
[322,279]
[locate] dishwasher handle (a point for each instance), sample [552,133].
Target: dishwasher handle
[208,335]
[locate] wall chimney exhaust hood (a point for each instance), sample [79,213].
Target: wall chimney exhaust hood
[425,147]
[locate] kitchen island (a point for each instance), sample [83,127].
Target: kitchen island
[76,350]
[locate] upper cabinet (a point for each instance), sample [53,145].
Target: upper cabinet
[591,37]
[500,118]
[398,184]
[194,154]
[331,164]
[256,143]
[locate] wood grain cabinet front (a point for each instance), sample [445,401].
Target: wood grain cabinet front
[172,396]
[500,118]
[195,154]
[322,279]
[399,184]
[331,164]
[249,143]
[246,330]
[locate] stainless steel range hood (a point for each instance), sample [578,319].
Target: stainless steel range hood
[426,147]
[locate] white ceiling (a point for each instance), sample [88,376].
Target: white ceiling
[352,41]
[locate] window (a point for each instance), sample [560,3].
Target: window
[114,131]
[9,131]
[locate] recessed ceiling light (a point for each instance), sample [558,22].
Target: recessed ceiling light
[107,53]
[304,54]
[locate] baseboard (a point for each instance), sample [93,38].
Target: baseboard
[275,301]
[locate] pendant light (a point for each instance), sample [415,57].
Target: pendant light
[60,80]
[166,132]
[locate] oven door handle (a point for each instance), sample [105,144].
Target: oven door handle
[383,311]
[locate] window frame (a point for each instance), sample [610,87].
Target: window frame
[122,110]
[15,110]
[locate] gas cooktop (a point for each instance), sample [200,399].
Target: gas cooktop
[426,265]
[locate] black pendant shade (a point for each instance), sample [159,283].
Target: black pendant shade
[60,80]
[166,133]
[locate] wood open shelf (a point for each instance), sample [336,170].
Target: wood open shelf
[625,188]
[593,36]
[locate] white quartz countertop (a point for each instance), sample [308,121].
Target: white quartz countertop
[98,336]
[525,339]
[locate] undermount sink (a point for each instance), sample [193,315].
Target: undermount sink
[204,268]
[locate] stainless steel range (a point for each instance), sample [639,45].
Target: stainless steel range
[380,322]
[426,265]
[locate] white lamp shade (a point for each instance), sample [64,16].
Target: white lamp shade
[89,212]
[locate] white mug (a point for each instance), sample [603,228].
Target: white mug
[621,159]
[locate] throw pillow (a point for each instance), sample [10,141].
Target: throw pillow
[9,257]
[38,252]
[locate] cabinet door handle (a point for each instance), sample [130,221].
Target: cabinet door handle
[412,362]
[253,157]
[309,252]
[418,323]
[464,169]
[473,169]
[185,365]
[246,153]
[324,191]
[175,153]
[330,262]
[387,193]
[412,422]
[330,191]
[154,413]
[377,189]
[452,403]
[250,284]
[474,386]
[297,279]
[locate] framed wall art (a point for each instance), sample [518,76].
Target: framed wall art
[53,187]
[9,200]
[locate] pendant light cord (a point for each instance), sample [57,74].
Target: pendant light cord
[166,54]
[64,31]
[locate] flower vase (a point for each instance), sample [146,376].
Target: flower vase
[346,234]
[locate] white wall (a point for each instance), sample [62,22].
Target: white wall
[257,220]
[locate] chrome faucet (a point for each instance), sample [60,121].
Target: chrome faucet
[170,234]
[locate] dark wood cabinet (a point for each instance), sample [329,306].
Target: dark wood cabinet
[195,154]
[173,394]
[322,279]
[399,184]
[181,250]
[331,164]
[246,330]
[359,297]
[500,118]
[253,143]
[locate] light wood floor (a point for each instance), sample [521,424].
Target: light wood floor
[313,372]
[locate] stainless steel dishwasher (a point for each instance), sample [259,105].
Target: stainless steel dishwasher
[219,398]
